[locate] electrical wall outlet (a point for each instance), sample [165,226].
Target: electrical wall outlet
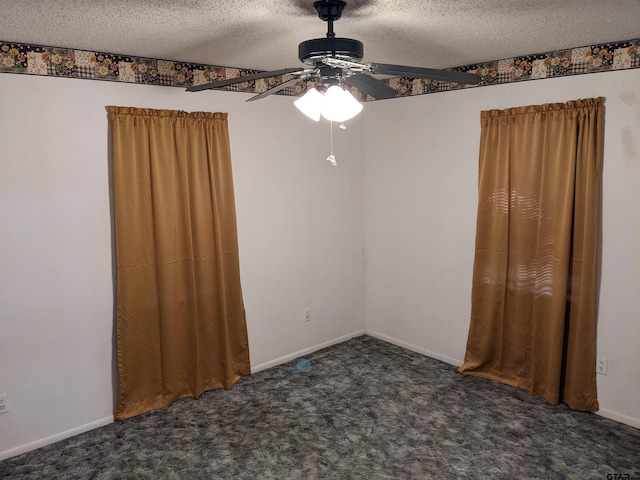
[307,314]
[602,365]
[4,403]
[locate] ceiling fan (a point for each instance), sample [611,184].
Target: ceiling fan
[334,60]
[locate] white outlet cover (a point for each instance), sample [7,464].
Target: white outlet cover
[602,366]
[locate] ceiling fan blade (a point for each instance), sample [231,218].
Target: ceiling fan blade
[371,86]
[275,89]
[245,78]
[420,72]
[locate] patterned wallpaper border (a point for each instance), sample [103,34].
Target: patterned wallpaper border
[70,63]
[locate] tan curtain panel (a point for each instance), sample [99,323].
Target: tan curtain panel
[180,317]
[533,312]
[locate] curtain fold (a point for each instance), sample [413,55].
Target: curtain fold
[181,326]
[533,309]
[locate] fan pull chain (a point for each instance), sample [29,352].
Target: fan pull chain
[331,158]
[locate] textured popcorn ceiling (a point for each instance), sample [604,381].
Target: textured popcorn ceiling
[264,34]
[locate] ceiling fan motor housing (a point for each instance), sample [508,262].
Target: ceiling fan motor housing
[313,51]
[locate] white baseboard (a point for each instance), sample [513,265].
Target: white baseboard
[618,417]
[306,351]
[27,447]
[603,412]
[423,351]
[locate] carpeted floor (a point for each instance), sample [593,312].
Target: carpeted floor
[363,409]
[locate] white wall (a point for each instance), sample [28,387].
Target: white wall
[421,166]
[300,235]
[412,162]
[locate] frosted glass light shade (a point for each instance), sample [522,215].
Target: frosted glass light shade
[311,104]
[351,106]
[339,105]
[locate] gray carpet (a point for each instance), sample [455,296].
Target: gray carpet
[363,409]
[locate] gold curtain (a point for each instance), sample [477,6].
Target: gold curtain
[533,307]
[180,316]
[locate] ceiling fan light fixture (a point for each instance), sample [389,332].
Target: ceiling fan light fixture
[336,104]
